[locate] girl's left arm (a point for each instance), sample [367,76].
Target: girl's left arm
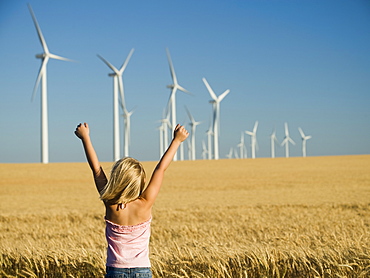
[83,132]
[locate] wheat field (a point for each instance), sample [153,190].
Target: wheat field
[296,217]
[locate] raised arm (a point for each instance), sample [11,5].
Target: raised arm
[83,132]
[151,192]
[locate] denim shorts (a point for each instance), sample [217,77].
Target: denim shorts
[136,272]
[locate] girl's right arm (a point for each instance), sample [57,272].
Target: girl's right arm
[83,132]
[151,192]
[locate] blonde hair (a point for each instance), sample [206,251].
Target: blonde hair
[126,182]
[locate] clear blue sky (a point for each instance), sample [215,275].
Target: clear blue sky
[302,62]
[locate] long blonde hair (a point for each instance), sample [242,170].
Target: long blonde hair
[126,182]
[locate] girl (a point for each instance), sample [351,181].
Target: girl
[128,205]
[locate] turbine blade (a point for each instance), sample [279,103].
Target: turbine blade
[291,140]
[284,141]
[190,116]
[286,129]
[56,57]
[41,37]
[109,65]
[122,94]
[223,95]
[39,76]
[301,132]
[122,69]
[173,74]
[211,92]
[255,127]
[183,89]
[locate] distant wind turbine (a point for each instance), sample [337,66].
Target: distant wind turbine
[230,154]
[216,115]
[127,124]
[243,151]
[117,82]
[189,150]
[209,141]
[286,141]
[42,76]
[193,125]
[174,87]
[304,139]
[160,128]
[273,140]
[204,150]
[253,135]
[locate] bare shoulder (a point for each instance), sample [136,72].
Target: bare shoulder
[133,213]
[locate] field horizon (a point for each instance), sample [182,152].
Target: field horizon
[264,217]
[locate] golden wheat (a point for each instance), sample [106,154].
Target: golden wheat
[296,217]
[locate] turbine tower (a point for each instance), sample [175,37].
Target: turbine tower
[286,141]
[216,115]
[117,82]
[193,125]
[253,139]
[273,140]
[304,139]
[174,87]
[42,76]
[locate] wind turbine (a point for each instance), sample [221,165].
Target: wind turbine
[42,77]
[127,124]
[189,149]
[174,87]
[204,150]
[165,126]
[273,140]
[286,141]
[230,154]
[209,141]
[160,128]
[117,82]
[243,151]
[193,125]
[304,139]
[253,136]
[216,114]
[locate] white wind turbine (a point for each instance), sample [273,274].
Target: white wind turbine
[209,141]
[165,126]
[273,140]
[243,150]
[304,139]
[253,135]
[117,82]
[161,129]
[42,76]
[189,149]
[193,125]
[216,115]
[127,124]
[286,141]
[174,87]
[204,150]
[230,154]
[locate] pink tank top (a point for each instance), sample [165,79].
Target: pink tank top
[128,246]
